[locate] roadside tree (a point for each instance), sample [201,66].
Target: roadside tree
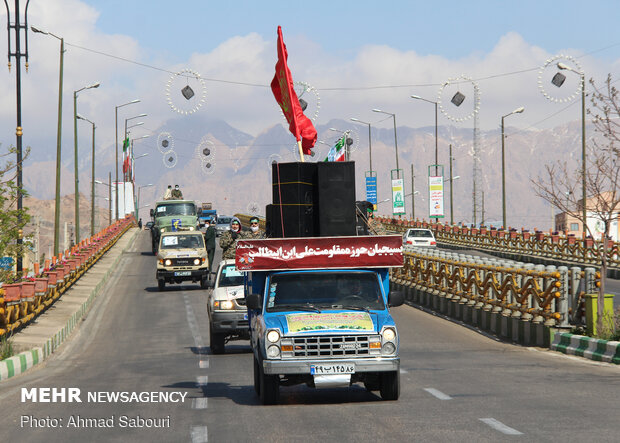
[561,183]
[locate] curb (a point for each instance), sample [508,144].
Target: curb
[23,361]
[587,347]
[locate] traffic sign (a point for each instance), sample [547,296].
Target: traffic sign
[6,262]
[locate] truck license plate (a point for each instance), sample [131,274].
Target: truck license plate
[182,273]
[332,369]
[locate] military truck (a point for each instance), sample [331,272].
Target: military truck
[171,216]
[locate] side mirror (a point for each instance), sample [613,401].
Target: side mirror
[152,212]
[254,301]
[395,298]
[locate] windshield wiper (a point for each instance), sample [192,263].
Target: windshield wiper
[351,307]
[291,307]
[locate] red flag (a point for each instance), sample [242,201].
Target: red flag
[284,92]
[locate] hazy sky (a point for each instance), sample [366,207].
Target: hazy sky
[359,55]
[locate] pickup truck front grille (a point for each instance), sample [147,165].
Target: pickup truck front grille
[331,346]
[183,261]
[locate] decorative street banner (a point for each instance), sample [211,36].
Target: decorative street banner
[320,253]
[371,190]
[341,321]
[435,192]
[398,196]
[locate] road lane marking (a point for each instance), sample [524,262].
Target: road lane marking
[501,427]
[193,325]
[199,403]
[403,371]
[438,394]
[202,380]
[199,434]
[203,364]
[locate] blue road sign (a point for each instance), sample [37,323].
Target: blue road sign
[371,190]
[6,262]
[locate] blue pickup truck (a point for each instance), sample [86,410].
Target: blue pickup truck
[319,311]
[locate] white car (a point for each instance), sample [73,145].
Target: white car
[228,316]
[419,237]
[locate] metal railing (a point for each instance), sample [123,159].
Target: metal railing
[540,294]
[553,247]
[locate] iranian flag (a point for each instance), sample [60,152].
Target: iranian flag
[283,90]
[336,153]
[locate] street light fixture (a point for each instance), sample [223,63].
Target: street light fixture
[395,139]
[516,111]
[109,184]
[417,97]
[583,141]
[116,141]
[75,161]
[92,187]
[58,138]
[353,119]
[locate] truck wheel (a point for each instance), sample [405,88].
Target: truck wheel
[256,377]
[216,342]
[161,284]
[269,388]
[390,385]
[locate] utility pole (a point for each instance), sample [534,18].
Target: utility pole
[451,190]
[412,193]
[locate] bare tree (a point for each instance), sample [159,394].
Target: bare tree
[561,186]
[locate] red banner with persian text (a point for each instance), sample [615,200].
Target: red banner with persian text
[319,253]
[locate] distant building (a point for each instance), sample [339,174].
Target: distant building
[568,224]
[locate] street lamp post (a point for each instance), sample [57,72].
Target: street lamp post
[138,200]
[75,161]
[395,139]
[109,185]
[58,138]
[369,142]
[516,111]
[116,141]
[417,97]
[412,193]
[583,142]
[92,182]
[17,26]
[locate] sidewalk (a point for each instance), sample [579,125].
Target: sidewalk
[41,338]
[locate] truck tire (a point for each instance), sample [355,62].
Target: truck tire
[256,377]
[217,342]
[269,388]
[161,284]
[390,385]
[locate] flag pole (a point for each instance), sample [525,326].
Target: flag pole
[301,152]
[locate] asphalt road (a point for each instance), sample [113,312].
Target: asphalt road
[456,384]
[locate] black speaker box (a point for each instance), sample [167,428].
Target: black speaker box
[336,198]
[294,183]
[300,220]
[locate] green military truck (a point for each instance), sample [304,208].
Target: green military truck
[171,216]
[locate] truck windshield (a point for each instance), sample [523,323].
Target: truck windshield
[182,242]
[230,276]
[325,290]
[175,209]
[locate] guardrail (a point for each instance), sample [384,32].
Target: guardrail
[21,303]
[519,244]
[499,295]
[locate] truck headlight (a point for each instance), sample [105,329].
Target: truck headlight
[162,230]
[191,228]
[389,348]
[389,334]
[225,304]
[273,336]
[168,262]
[197,261]
[273,351]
